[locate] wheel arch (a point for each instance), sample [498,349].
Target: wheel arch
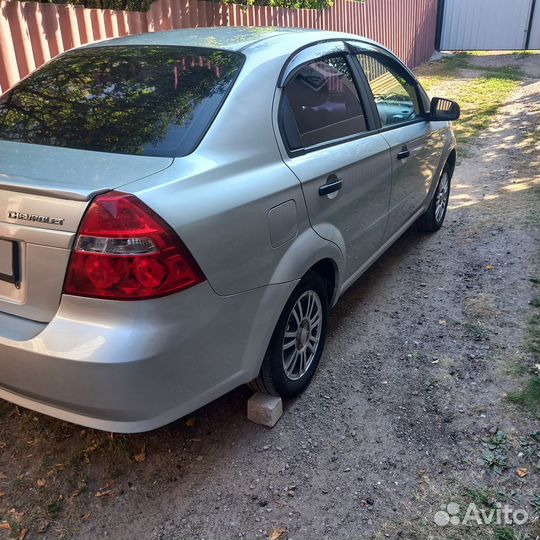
[329,272]
[448,156]
[451,160]
[309,251]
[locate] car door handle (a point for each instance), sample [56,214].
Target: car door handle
[403,153]
[333,184]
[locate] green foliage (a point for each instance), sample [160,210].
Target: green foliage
[129,5]
[494,454]
[143,5]
[529,396]
[298,4]
[533,334]
[480,98]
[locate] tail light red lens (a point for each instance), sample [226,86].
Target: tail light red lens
[124,251]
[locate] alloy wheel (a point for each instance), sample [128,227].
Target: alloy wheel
[302,335]
[441,200]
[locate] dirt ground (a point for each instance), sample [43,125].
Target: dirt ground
[423,396]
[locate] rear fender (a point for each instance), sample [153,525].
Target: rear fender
[303,253]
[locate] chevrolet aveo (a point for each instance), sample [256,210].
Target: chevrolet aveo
[180,210]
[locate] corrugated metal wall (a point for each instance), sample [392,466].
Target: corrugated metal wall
[534,40]
[486,25]
[32,33]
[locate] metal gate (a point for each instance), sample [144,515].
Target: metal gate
[480,25]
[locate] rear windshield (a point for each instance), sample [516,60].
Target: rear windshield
[147,100]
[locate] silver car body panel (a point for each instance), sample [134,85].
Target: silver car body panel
[248,213]
[68,173]
[44,192]
[439,161]
[83,365]
[355,217]
[412,176]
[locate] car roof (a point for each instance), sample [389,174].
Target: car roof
[228,38]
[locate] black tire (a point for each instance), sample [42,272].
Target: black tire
[431,220]
[272,378]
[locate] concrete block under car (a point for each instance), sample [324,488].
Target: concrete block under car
[264,409]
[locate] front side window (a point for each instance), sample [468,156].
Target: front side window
[147,100]
[395,97]
[321,104]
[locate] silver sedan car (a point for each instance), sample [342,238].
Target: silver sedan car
[180,210]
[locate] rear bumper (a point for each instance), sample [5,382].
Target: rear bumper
[135,366]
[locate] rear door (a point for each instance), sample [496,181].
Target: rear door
[344,168]
[415,147]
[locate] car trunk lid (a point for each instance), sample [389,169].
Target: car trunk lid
[44,192]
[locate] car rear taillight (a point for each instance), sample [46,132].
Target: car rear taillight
[124,251]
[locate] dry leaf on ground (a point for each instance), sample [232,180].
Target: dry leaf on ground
[278,534]
[105,490]
[141,456]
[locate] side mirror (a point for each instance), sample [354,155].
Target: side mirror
[442,109]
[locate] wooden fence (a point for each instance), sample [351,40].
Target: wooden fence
[31,33]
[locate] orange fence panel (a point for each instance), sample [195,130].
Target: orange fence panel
[31,33]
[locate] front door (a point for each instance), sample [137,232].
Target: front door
[415,147]
[344,169]
[413,166]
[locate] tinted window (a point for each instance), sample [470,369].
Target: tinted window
[394,95]
[321,104]
[149,100]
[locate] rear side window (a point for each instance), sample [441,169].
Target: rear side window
[321,104]
[147,100]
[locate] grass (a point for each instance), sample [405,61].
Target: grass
[532,220]
[480,100]
[450,64]
[82,461]
[480,103]
[54,508]
[479,97]
[528,397]
[533,324]
[476,329]
[492,477]
[480,496]
[518,54]
[483,497]
[533,334]
[523,54]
